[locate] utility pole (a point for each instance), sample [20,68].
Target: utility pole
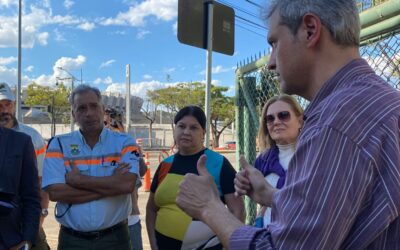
[128,98]
[18,90]
[210,7]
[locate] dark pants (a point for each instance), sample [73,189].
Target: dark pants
[119,239]
[136,236]
[41,242]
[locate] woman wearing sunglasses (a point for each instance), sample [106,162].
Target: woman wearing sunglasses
[281,122]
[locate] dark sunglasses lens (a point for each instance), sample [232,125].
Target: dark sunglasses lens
[284,115]
[270,118]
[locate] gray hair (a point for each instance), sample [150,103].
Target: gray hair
[340,17]
[83,88]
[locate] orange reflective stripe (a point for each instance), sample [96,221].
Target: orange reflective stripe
[54,155]
[129,149]
[111,159]
[92,161]
[41,151]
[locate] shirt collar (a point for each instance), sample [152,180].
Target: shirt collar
[340,79]
[102,138]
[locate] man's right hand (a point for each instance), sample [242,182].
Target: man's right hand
[251,182]
[122,169]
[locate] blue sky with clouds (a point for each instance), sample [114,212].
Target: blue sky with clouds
[102,36]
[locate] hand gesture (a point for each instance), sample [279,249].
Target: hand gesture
[251,182]
[198,193]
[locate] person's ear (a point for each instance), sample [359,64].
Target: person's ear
[301,121]
[311,28]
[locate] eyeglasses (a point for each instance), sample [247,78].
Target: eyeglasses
[283,116]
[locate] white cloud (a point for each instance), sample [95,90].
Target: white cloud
[42,38]
[147,77]
[142,33]
[29,68]
[107,64]
[217,70]
[165,10]
[68,4]
[58,36]
[86,26]
[9,75]
[8,60]
[138,89]
[34,20]
[7,3]
[108,80]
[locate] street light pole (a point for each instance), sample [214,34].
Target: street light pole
[18,90]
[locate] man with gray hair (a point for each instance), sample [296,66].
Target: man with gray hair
[91,173]
[342,189]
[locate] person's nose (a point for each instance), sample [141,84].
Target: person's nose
[272,61]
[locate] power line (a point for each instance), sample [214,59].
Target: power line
[240,9]
[252,31]
[250,26]
[253,23]
[255,4]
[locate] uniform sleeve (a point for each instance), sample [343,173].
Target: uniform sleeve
[227,176]
[130,154]
[40,151]
[53,167]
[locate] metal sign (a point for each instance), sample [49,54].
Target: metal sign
[192,25]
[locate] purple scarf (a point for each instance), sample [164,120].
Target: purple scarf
[268,162]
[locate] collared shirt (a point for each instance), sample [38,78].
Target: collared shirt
[343,183]
[111,149]
[38,143]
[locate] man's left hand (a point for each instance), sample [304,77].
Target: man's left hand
[73,177]
[198,194]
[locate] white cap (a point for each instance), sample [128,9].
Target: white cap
[5,92]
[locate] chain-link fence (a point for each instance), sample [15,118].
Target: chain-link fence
[255,84]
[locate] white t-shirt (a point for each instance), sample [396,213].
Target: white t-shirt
[285,155]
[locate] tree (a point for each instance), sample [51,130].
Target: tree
[56,98]
[149,110]
[176,97]
[222,112]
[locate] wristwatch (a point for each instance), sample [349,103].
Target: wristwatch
[44,212]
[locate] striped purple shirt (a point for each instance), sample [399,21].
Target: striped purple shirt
[343,184]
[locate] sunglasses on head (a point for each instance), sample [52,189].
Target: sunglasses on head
[283,116]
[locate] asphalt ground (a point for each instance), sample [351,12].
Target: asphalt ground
[51,226]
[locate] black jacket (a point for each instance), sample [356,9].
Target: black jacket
[19,180]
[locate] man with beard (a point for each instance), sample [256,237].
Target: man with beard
[91,173]
[8,120]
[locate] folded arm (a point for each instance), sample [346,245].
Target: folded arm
[121,182]
[70,195]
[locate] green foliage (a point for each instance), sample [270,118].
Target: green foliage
[51,97]
[174,98]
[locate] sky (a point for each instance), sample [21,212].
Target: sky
[100,37]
